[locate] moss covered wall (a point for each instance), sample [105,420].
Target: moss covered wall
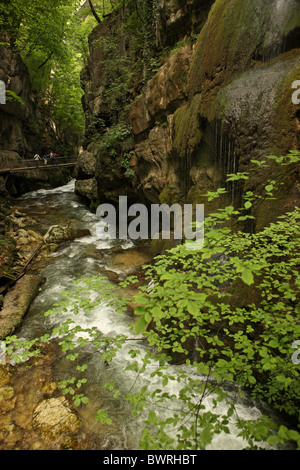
[245,61]
[235,33]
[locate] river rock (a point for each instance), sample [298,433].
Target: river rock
[34,236]
[87,188]
[54,418]
[7,399]
[5,375]
[128,261]
[22,233]
[17,222]
[56,234]
[23,241]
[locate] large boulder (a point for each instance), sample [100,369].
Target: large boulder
[85,165]
[88,188]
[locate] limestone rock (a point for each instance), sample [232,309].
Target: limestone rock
[17,302]
[210,107]
[7,399]
[180,18]
[87,188]
[25,128]
[86,165]
[9,158]
[56,234]
[165,92]
[152,164]
[139,117]
[54,418]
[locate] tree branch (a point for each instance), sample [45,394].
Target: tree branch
[45,61]
[94,11]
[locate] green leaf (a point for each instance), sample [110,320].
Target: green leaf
[192,307]
[139,310]
[247,276]
[140,325]
[206,436]
[269,188]
[273,440]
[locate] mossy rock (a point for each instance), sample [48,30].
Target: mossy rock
[8,255]
[285,117]
[160,246]
[196,195]
[235,35]
[170,195]
[187,130]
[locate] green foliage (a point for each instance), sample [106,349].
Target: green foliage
[52,40]
[119,72]
[103,417]
[115,135]
[12,96]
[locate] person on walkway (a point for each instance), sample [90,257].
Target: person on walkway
[52,157]
[37,158]
[45,158]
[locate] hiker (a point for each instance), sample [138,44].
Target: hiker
[37,158]
[52,157]
[45,157]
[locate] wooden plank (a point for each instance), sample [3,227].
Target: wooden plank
[42,167]
[21,274]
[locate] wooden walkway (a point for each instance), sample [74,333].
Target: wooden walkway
[25,165]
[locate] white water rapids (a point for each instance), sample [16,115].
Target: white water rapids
[85,257]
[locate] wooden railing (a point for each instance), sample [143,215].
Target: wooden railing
[22,165]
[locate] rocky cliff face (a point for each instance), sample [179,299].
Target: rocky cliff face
[24,128]
[211,107]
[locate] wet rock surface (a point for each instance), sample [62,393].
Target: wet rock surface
[17,302]
[33,414]
[26,248]
[54,418]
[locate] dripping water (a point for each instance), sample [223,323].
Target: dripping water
[226,160]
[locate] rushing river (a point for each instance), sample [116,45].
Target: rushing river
[85,257]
